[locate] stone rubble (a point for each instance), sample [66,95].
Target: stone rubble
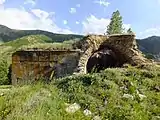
[96,118]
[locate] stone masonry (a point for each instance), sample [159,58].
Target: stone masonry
[32,64]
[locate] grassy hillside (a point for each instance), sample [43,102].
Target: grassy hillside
[28,40]
[114,94]
[31,41]
[10,47]
[150,46]
[7,34]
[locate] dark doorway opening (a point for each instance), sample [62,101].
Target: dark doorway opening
[105,58]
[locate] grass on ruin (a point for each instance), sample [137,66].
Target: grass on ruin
[31,41]
[114,94]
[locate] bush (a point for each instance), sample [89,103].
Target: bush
[115,94]
[4,73]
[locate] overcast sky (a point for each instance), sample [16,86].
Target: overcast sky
[81,16]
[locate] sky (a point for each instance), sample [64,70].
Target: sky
[81,16]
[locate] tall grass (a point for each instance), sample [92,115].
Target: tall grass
[113,94]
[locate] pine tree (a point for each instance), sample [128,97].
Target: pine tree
[129,31]
[116,24]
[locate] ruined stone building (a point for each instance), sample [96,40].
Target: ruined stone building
[93,51]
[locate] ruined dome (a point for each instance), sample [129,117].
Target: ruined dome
[102,51]
[92,52]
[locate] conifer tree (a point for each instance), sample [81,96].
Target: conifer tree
[116,24]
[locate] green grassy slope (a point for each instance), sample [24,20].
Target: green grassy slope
[28,40]
[149,46]
[7,34]
[114,94]
[31,41]
[10,47]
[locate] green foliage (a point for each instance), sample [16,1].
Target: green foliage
[34,102]
[28,40]
[10,47]
[73,41]
[31,41]
[119,93]
[150,46]
[4,72]
[7,34]
[104,93]
[116,24]
[113,94]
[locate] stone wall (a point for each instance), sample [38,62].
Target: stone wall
[28,66]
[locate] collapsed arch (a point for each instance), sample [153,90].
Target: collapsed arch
[105,57]
[120,49]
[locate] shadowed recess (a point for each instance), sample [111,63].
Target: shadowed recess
[105,57]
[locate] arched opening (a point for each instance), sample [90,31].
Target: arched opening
[105,57]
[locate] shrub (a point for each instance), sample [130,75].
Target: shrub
[4,73]
[104,93]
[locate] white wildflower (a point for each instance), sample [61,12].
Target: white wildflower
[87,112]
[141,96]
[105,102]
[2,94]
[73,108]
[128,96]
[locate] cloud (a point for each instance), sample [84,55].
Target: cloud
[32,2]
[77,22]
[2,1]
[72,10]
[42,14]
[78,5]
[65,22]
[35,19]
[150,32]
[126,27]
[94,25]
[102,3]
